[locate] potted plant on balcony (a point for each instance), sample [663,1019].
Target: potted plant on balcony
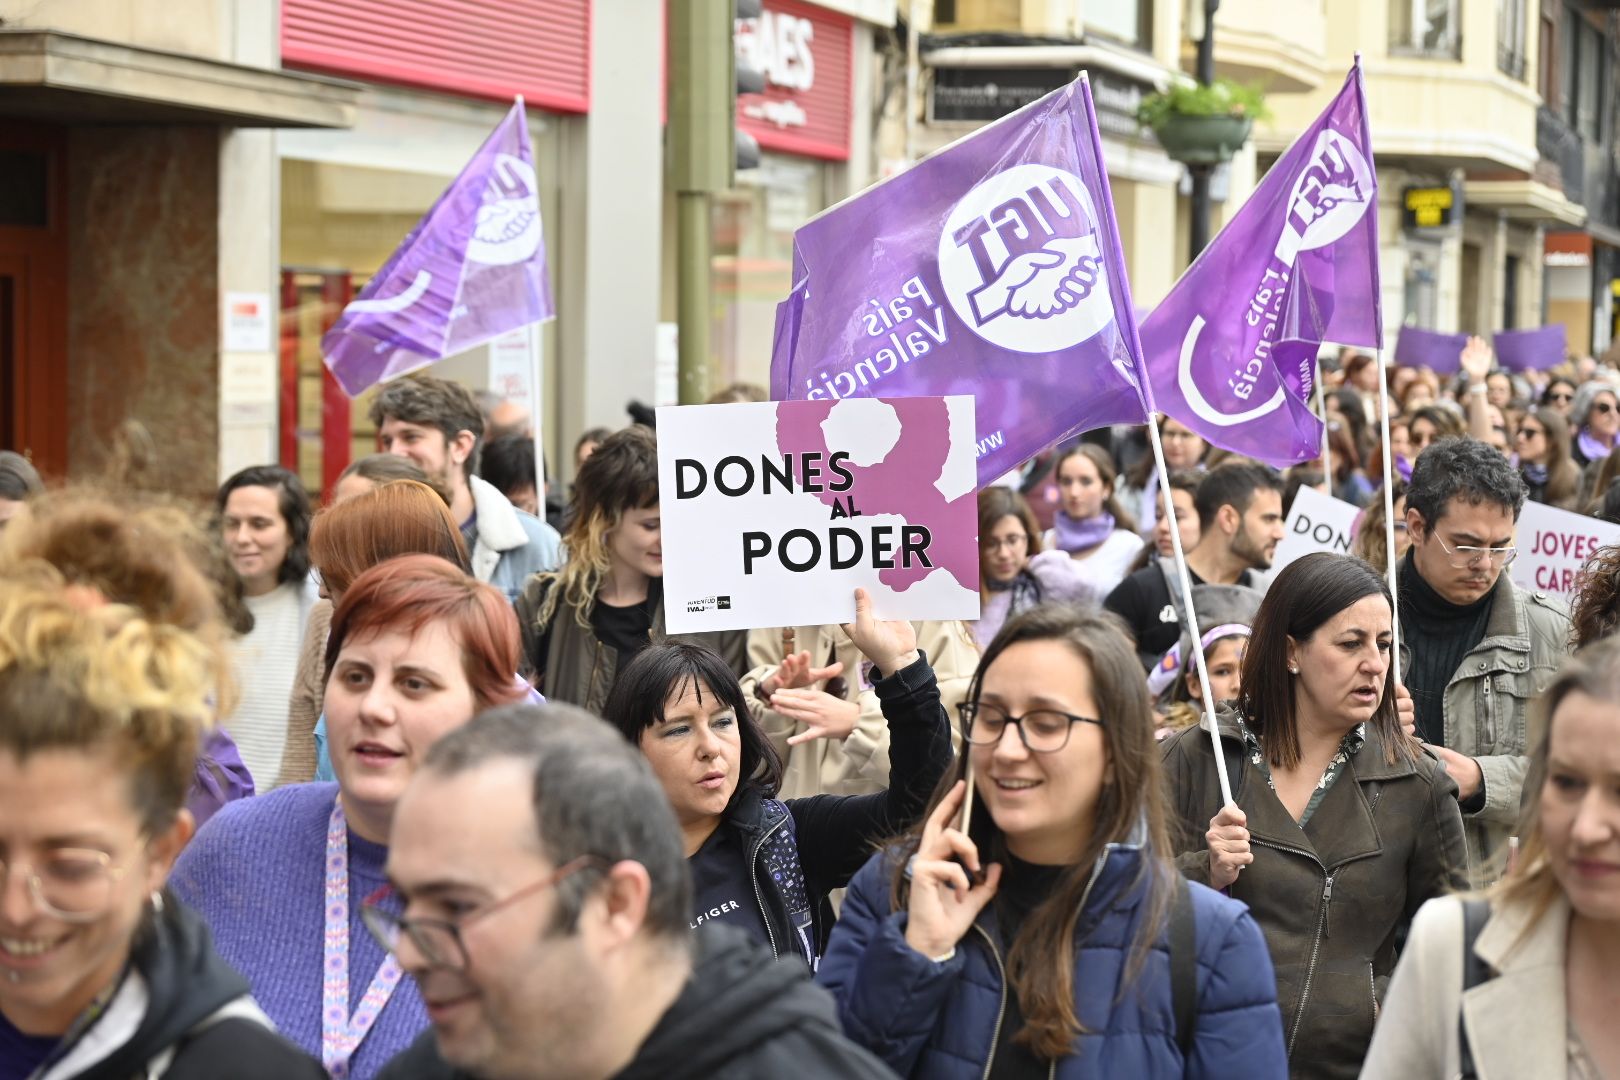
[1202,125]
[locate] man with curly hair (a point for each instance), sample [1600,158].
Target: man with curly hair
[1476,649]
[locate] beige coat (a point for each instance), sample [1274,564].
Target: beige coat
[859,765]
[1517,1023]
[304,708]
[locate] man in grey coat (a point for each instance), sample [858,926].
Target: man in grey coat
[1476,649]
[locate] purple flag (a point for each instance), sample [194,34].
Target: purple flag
[473,269]
[990,268]
[1527,350]
[1231,352]
[1440,353]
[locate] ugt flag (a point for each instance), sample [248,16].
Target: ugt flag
[1232,350]
[990,268]
[473,269]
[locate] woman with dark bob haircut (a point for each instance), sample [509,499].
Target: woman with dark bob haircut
[1344,825]
[1054,959]
[758,863]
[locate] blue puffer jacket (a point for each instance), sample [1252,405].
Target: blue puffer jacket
[940,1020]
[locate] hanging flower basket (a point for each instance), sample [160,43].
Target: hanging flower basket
[1203,140]
[1202,125]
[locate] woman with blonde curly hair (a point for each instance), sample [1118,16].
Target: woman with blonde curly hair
[155,557]
[582,623]
[101,973]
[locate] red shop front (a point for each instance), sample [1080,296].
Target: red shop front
[345,207]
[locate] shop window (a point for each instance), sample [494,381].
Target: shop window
[1425,28]
[1510,29]
[753,260]
[1127,21]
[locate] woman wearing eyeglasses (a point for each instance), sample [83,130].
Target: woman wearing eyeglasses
[1542,445]
[759,863]
[1342,825]
[1035,941]
[417,647]
[101,974]
[1595,416]
[1015,573]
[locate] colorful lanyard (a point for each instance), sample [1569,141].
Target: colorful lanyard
[340,1034]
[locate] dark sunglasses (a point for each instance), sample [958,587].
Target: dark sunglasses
[1562,398]
[1602,407]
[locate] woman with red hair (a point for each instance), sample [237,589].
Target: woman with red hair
[417,648]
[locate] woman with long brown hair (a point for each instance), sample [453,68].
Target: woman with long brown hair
[1341,825]
[1542,445]
[1520,981]
[1030,940]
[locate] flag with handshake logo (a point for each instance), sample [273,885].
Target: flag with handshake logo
[473,269]
[1232,350]
[992,268]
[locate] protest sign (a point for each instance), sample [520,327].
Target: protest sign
[1440,353]
[992,267]
[1231,352]
[774,512]
[1535,349]
[1553,546]
[1316,522]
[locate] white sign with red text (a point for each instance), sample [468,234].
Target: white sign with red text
[1553,546]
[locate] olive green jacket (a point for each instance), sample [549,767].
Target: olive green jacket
[1487,708]
[1330,897]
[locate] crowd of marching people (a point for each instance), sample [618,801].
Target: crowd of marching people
[408,779]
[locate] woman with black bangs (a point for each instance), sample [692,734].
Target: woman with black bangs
[758,863]
[1074,950]
[1344,825]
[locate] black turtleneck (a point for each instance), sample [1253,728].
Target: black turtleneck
[1439,634]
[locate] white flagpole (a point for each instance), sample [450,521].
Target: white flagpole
[1389,522]
[1321,410]
[1190,617]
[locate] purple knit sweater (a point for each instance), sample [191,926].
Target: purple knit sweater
[256,873]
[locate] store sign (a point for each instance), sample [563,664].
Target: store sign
[979,95]
[1117,100]
[1429,207]
[1568,249]
[806,54]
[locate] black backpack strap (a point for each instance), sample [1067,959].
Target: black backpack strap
[1183,966]
[1475,971]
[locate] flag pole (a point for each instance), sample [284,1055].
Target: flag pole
[1321,410]
[1189,616]
[1389,523]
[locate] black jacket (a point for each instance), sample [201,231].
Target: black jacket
[198,1014]
[834,835]
[739,1017]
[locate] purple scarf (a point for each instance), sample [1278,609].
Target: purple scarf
[1073,536]
[1590,447]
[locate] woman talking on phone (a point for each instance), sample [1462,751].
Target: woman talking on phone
[1032,940]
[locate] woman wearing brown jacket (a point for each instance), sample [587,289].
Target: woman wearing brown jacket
[1343,824]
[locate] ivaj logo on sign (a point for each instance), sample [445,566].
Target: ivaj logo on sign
[1021,261]
[1330,195]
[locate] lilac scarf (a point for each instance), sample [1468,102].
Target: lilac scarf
[1590,447]
[1073,536]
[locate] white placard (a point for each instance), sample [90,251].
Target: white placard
[511,367]
[245,319]
[1316,522]
[1553,546]
[774,512]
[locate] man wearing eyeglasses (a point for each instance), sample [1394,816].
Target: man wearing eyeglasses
[545,923]
[1475,649]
